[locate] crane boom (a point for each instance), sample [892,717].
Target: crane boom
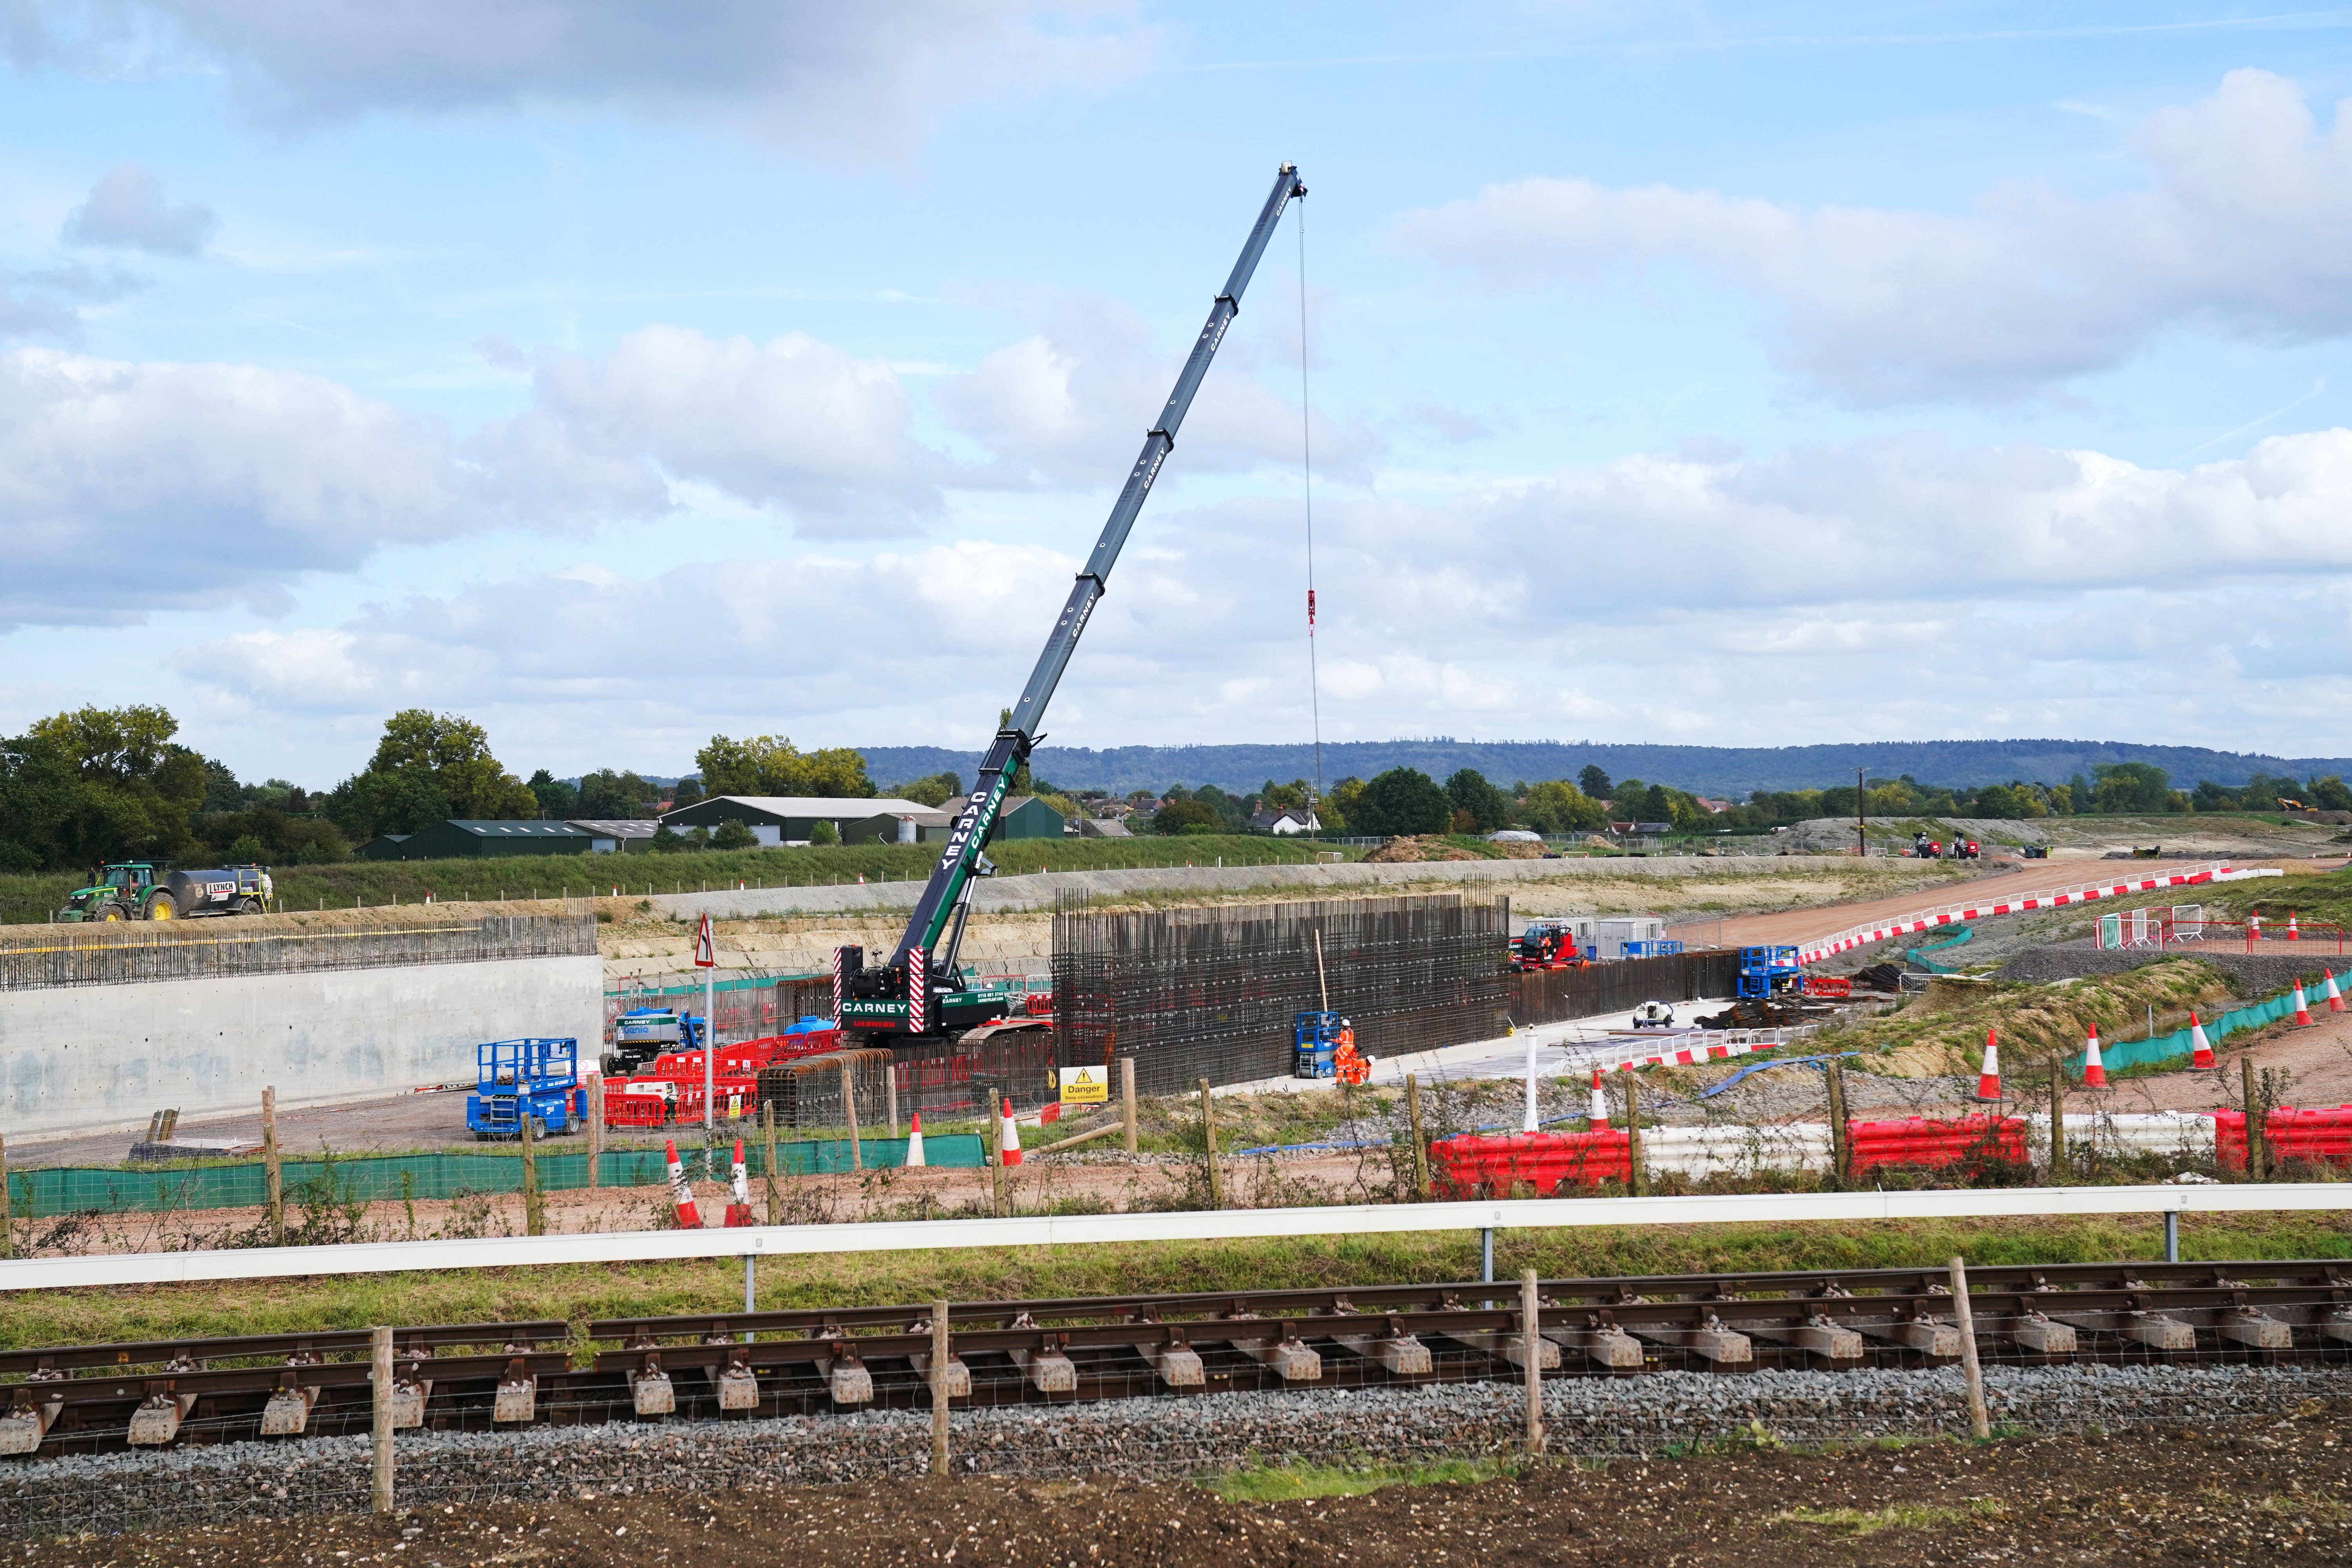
[897,997]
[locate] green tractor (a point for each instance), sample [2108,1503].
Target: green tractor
[152,890]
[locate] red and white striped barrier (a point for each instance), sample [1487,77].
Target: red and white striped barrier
[1957,914]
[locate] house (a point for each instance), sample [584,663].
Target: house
[1286,822]
[458,839]
[609,834]
[789,819]
[1715,806]
[1022,816]
[922,824]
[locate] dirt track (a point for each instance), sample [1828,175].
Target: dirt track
[2272,1495]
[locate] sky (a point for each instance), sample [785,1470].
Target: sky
[618,375]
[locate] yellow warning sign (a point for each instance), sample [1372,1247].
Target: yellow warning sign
[1085,1086]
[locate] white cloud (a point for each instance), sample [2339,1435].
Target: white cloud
[794,424]
[845,82]
[2245,224]
[130,487]
[127,210]
[1071,404]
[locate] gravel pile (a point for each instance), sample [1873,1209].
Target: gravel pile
[1135,1438]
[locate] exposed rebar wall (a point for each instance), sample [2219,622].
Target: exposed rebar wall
[56,956]
[1214,993]
[1548,995]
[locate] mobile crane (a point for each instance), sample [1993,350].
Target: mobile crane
[920,993]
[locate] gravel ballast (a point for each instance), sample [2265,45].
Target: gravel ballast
[1132,1439]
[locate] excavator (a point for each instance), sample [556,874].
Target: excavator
[920,994]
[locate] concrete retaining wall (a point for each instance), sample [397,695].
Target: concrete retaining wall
[92,1059]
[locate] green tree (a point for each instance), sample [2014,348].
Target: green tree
[733,834]
[607,794]
[1176,815]
[1557,806]
[1592,782]
[452,753]
[934,791]
[1486,807]
[2132,787]
[2327,794]
[1402,801]
[772,765]
[557,800]
[825,832]
[667,840]
[99,784]
[687,791]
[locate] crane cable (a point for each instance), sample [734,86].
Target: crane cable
[1306,474]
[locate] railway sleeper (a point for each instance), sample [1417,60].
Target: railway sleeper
[737,1386]
[1512,1348]
[1401,1355]
[847,1379]
[157,1420]
[516,1400]
[1608,1346]
[1290,1358]
[1048,1370]
[28,1422]
[2154,1330]
[1726,1349]
[408,1398]
[959,1376]
[1816,1336]
[2254,1329]
[289,1410]
[2032,1332]
[2336,1326]
[1928,1336]
[1178,1365]
[651,1393]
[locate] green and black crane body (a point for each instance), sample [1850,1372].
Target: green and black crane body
[921,991]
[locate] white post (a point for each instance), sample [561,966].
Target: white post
[1528,1121]
[710,1050]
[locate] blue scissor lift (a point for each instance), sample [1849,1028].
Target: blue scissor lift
[515,1078]
[1768,971]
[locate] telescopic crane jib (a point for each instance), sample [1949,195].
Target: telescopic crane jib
[921,991]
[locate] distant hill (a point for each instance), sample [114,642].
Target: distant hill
[1703,770]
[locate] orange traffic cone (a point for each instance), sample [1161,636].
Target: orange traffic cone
[2302,1007]
[2201,1050]
[2334,998]
[1011,1147]
[739,1212]
[2293,934]
[2094,1072]
[1988,1078]
[915,1144]
[1598,1111]
[681,1191]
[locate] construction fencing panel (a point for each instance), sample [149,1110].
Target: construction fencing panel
[51,1191]
[123,954]
[1214,992]
[1550,995]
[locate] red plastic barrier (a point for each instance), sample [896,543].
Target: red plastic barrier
[1491,1167]
[1920,1143]
[629,1107]
[2316,1136]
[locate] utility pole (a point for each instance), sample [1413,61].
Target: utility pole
[1861,828]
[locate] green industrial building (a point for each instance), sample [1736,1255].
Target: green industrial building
[456,840]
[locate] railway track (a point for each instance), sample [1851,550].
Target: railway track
[738,1365]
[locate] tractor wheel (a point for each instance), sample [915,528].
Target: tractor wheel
[248,906]
[162,907]
[111,912]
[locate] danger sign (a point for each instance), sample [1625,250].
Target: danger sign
[706,951]
[1085,1086]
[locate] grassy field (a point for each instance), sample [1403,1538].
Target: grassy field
[617,1289]
[352,883]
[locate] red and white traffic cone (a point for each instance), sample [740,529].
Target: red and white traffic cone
[2334,998]
[2293,933]
[1011,1146]
[681,1191]
[2254,927]
[2094,1072]
[1988,1076]
[739,1212]
[2201,1050]
[915,1144]
[2302,1007]
[1598,1110]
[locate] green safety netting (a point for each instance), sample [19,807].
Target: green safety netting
[2162,1048]
[82,1189]
[1967,934]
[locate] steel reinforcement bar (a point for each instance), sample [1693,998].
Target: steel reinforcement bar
[813,1362]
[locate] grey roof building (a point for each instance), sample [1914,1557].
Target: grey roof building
[789,819]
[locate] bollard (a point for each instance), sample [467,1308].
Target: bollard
[1531,1355]
[379,1349]
[2172,1236]
[939,1350]
[276,1176]
[1487,1256]
[1209,1140]
[1969,1365]
[1419,1147]
[534,1219]
[1126,1099]
[595,1130]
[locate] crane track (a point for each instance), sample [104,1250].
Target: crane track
[492,1376]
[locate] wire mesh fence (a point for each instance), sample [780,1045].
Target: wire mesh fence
[1214,992]
[56,956]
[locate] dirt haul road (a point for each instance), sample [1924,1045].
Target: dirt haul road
[2275,1494]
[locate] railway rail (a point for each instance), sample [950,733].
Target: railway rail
[736,1366]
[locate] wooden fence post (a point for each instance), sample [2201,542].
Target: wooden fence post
[1841,1134]
[1420,1143]
[2057,1122]
[7,1231]
[595,1131]
[939,1351]
[534,1221]
[991,1141]
[1127,1098]
[2258,1154]
[276,1176]
[1969,1364]
[1209,1140]
[1633,1135]
[379,1354]
[890,1096]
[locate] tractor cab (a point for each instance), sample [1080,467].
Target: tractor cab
[117,891]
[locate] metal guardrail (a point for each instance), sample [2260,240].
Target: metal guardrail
[1209,1224]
